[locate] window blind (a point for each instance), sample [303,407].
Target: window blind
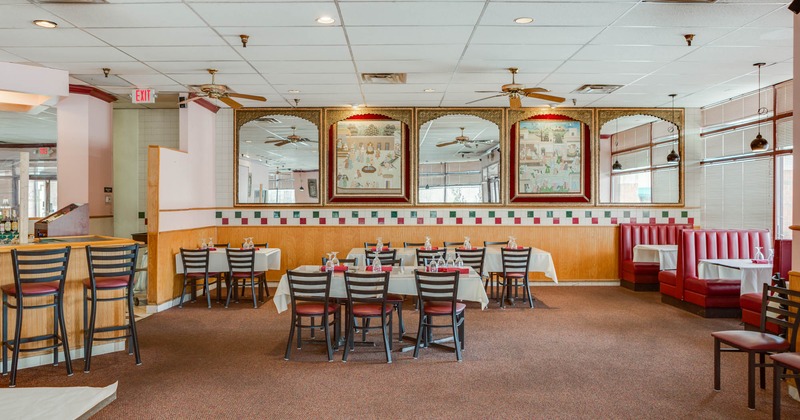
[738,195]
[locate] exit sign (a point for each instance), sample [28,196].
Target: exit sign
[143,96]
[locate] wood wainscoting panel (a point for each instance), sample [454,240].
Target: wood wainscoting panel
[580,253]
[168,244]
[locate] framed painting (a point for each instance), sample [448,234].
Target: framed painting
[550,161]
[369,160]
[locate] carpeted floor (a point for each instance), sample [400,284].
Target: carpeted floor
[588,352]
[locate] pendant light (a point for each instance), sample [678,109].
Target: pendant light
[759,144]
[616,166]
[672,156]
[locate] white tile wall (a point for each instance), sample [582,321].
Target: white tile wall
[156,127]
[224,150]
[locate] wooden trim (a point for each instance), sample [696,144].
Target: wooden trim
[190,209]
[107,216]
[93,92]
[153,174]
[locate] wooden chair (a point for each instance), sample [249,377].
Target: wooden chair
[777,308]
[515,274]
[111,269]
[37,274]
[241,263]
[366,300]
[437,294]
[413,244]
[310,293]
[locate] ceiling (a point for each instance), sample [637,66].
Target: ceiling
[451,47]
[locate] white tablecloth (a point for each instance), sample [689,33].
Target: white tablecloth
[266,259]
[665,255]
[401,281]
[541,261]
[753,276]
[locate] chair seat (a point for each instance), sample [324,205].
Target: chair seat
[791,360]
[315,309]
[514,275]
[370,309]
[32,289]
[246,274]
[669,277]
[391,297]
[115,282]
[752,340]
[443,308]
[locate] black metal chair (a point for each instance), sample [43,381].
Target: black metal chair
[515,275]
[386,257]
[762,342]
[195,268]
[353,262]
[241,266]
[225,245]
[374,244]
[490,243]
[310,294]
[413,244]
[111,269]
[424,255]
[473,257]
[263,277]
[37,274]
[493,278]
[437,294]
[366,300]
[452,244]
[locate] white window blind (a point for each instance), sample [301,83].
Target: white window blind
[633,160]
[665,185]
[784,134]
[738,194]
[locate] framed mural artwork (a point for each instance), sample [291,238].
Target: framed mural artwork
[550,161]
[369,160]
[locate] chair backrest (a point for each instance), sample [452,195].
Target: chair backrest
[112,261]
[473,258]
[386,257]
[780,306]
[436,287]
[309,286]
[783,257]
[194,260]
[412,244]
[488,243]
[374,244]
[424,255]
[449,244]
[241,260]
[262,245]
[40,266]
[343,261]
[713,244]
[367,287]
[396,262]
[225,245]
[516,260]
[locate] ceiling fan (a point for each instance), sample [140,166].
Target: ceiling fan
[290,139]
[221,92]
[465,141]
[514,91]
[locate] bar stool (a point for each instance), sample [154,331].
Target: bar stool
[111,269]
[37,274]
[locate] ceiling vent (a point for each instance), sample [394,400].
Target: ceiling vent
[597,89]
[383,78]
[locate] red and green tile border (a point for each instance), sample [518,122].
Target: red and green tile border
[526,217]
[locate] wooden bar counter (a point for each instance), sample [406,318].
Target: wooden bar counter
[40,321]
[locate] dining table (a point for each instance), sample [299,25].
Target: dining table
[265,259]
[401,281]
[753,275]
[541,261]
[665,255]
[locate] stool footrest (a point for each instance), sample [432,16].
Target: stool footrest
[110,329]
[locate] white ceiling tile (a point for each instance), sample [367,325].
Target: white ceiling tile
[699,15]
[407,52]
[713,54]
[23,15]
[433,13]
[501,65]
[318,88]
[404,88]
[595,67]
[300,52]
[555,14]
[161,15]
[89,67]
[34,37]
[181,53]
[172,87]
[147,80]
[499,77]
[10,58]
[534,35]
[777,19]
[220,77]
[295,13]
[429,78]
[312,66]
[259,89]
[151,37]
[239,67]
[470,88]
[582,78]
[401,102]
[406,66]
[301,79]
[323,35]
[631,53]
[757,37]
[70,54]
[690,68]
[408,35]
[500,52]
[623,35]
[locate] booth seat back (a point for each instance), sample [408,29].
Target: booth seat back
[783,257]
[632,234]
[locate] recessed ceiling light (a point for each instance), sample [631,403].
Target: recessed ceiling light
[354,106]
[327,20]
[523,20]
[45,23]
[293,91]
[429,90]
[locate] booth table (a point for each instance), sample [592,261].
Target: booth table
[752,275]
[401,281]
[665,255]
[541,261]
[266,259]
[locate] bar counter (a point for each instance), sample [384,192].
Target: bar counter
[39,321]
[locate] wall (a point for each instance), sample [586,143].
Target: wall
[126,172]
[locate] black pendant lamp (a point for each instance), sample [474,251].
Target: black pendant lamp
[759,144]
[673,157]
[616,166]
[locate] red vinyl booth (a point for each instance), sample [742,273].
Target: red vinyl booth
[643,275]
[712,298]
[751,302]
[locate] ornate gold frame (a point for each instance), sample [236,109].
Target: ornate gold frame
[245,115]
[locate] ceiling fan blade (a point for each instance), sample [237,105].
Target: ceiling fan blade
[447,143]
[273,141]
[488,97]
[193,98]
[231,103]
[309,140]
[282,143]
[533,90]
[488,91]
[548,98]
[250,97]
[515,102]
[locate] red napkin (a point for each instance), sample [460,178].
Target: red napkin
[383,268]
[210,249]
[336,268]
[760,261]
[433,248]
[386,248]
[463,270]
